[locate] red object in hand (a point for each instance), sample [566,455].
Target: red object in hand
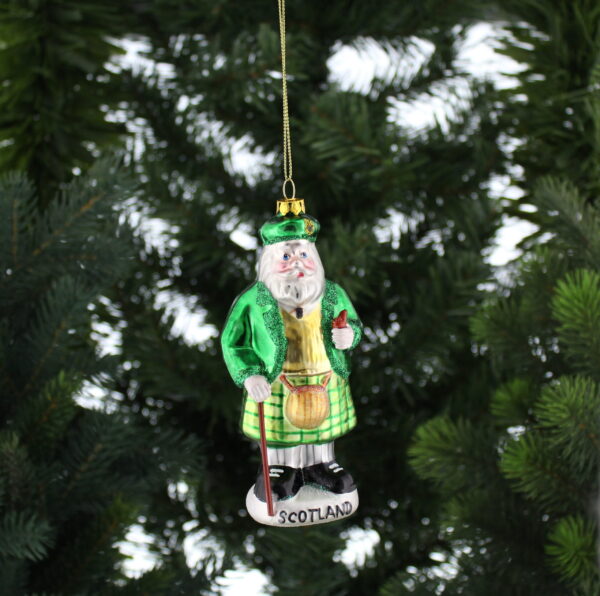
[341,320]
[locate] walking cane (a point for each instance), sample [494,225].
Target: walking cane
[265,459]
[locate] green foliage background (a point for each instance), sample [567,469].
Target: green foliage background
[476,389]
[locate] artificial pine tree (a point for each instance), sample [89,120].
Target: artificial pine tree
[520,474]
[415,290]
[56,87]
[72,478]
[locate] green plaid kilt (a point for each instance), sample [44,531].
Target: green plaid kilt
[279,432]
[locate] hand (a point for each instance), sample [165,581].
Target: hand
[258,388]
[342,338]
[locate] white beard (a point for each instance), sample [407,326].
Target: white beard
[295,292]
[291,291]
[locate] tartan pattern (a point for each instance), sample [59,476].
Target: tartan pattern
[279,432]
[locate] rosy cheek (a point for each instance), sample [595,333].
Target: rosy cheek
[281,266]
[309,264]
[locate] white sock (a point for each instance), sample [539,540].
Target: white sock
[301,456]
[285,456]
[318,454]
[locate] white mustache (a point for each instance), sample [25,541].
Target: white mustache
[293,272]
[297,292]
[294,290]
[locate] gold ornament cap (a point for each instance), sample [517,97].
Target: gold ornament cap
[295,206]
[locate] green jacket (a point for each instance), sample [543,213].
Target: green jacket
[254,341]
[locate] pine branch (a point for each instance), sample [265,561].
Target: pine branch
[572,553]
[568,413]
[457,455]
[576,306]
[536,469]
[24,536]
[512,403]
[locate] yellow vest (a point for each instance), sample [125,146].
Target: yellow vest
[306,351]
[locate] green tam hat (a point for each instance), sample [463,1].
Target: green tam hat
[283,228]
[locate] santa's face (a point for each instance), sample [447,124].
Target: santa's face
[295,262]
[293,272]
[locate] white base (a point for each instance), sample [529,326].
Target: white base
[310,506]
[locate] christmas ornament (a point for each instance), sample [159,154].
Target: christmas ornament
[286,342]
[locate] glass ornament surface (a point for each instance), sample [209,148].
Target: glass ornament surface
[286,342]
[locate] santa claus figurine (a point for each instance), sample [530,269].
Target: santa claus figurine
[286,342]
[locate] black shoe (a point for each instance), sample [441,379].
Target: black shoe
[285,482]
[330,476]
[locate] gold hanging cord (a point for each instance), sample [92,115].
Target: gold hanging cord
[287,140]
